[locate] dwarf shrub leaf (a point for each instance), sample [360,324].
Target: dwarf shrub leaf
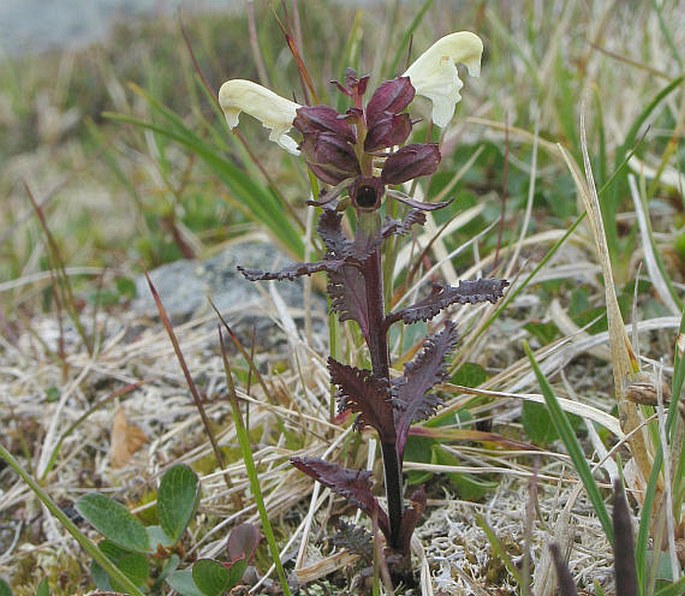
[210,576]
[114,522]
[183,583]
[179,492]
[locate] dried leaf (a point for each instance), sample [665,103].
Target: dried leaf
[354,485]
[427,369]
[369,396]
[126,440]
[467,292]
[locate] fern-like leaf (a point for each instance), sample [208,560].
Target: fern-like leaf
[428,368]
[401,227]
[292,271]
[467,292]
[347,290]
[354,485]
[368,396]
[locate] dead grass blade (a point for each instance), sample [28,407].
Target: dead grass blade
[191,386]
[624,362]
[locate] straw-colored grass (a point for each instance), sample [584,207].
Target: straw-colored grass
[566,94]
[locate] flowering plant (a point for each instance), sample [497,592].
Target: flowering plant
[361,156]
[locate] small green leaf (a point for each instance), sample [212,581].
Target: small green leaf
[177,498]
[132,565]
[469,487]
[158,537]
[210,576]
[183,583]
[538,424]
[43,588]
[4,588]
[470,374]
[114,522]
[235,573]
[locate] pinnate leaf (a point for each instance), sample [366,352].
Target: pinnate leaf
[291,271]
[400,227]
[114,522]
[347,290]
[177,498]
[354,485]
[427,369]
[467,292]
[369,396]
[330,230]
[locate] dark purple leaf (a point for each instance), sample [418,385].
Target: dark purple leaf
[411,518]
[318,119]
[467,292]
[564,577]
[290,272]
[413,203]
[625,571]
[354,485]
[330,230]
[391,96]
[427,369]
[412,161]
[347,290]
[356,539]
[242,542]
[388,130]
[401,227]
[368,396]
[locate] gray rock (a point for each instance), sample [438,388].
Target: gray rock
[185,287]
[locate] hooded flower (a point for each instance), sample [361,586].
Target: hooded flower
[272,110]
[361,151]
[434,74]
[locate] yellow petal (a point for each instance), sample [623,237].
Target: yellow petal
[434,74]
[273,111]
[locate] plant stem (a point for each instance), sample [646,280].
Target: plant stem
[380,362]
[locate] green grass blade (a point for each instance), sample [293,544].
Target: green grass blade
[568,437]
[251,469]
[395,67]
[70,527]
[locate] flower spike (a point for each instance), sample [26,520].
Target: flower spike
[273,111]
[434,74]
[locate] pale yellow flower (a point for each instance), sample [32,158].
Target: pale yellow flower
[434,74]
[273,111]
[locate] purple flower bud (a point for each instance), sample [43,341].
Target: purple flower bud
[392,96]
[331,158]
[318,119]
[388,131]
[411,162]
[366,193]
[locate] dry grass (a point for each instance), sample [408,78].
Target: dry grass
[543,61]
